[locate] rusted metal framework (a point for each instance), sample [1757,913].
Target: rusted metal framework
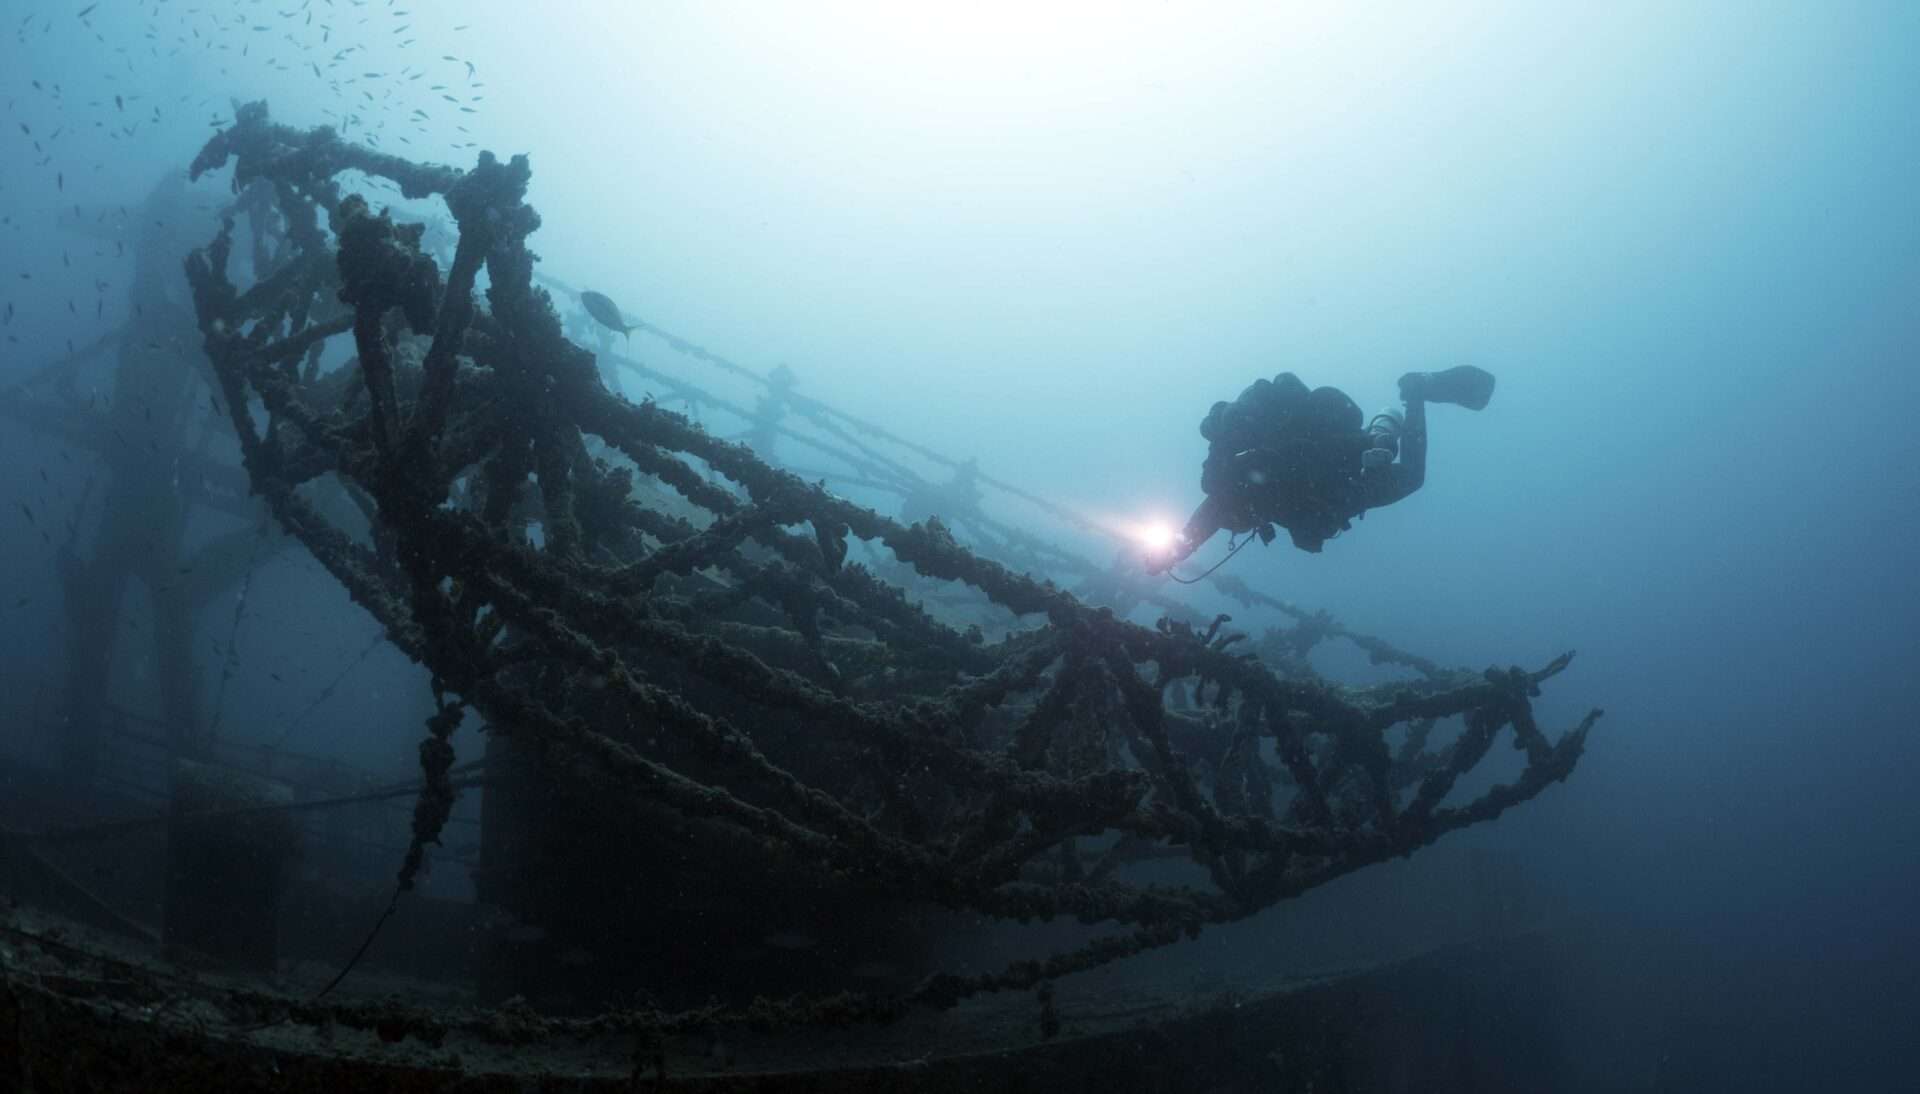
[718,653]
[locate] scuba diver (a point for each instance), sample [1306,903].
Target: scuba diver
[1283,455]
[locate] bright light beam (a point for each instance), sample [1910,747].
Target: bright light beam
[1156,536]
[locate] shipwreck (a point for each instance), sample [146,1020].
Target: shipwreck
[720,701]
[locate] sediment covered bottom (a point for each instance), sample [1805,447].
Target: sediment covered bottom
[82,1011]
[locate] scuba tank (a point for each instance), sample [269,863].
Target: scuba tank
[1284,454]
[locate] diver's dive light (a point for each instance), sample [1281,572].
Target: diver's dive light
[1157,537]
[1162,546]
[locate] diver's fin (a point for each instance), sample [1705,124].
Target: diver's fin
[1461,385]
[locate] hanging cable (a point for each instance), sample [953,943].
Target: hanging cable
[379,639]
[230,660]
[1231,551]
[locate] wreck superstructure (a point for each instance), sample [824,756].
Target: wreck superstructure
[717,703]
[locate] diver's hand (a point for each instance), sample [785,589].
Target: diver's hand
[1160,560]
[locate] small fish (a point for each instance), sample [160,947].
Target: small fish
[605,312]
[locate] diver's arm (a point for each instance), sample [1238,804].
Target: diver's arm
[1391,482]
[1205,521]
[1200,527]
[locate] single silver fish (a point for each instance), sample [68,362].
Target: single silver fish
[606,312]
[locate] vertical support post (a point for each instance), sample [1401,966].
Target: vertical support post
[226,875]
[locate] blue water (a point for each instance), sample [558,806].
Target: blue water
[1686,239]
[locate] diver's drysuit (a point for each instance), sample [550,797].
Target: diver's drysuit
[1283,455]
